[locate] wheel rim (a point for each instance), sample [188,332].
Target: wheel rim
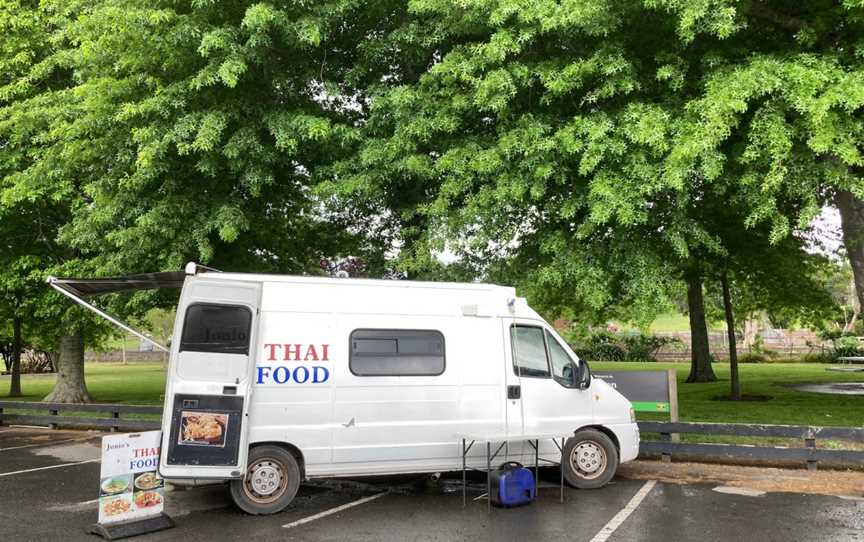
[265,480]
[588,459]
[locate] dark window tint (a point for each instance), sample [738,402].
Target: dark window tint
[216,328]
[396,352]
[529,351]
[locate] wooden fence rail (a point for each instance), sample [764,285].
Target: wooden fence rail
[808,453]
[76,415]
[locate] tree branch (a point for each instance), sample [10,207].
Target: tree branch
[760,10]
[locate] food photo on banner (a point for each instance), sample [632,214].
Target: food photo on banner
[130,487]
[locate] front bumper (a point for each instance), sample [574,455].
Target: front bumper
[628,440]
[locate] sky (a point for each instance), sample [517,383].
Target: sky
[827,232]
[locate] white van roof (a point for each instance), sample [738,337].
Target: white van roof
[304,279]
[351,295]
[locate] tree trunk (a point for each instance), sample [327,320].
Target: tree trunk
[735,391]
[15,381]
[852,220]
[700,357]
[70,386]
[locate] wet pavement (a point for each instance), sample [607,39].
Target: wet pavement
[834,388]
[49,483]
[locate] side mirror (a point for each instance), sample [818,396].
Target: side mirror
[575,376]
[583,378]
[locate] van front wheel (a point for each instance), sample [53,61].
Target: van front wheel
[589,460]
[271,482]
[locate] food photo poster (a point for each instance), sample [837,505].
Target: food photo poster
[203,429]
[129,484]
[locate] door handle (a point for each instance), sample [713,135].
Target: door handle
[514,392]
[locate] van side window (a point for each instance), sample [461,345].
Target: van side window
[529,351]
[558,357]
[222,329]
[396,352]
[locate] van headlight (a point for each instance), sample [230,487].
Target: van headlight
[632,415]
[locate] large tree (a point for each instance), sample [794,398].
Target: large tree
[29,218]
[576,143]
[781,107]
[536,139]
[755,274]
[26,249]
[176,131]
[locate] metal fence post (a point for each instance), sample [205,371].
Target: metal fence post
[666,457]
[52,413]
[810,444]
[672,375]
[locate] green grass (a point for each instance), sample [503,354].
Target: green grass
[116,343]
[667,323]
[787,406]
[134,384]
[144,383]
[671,323]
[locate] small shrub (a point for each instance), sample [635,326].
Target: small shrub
[607,346]
[600,346]
[752,358]
[820,357]
[847,346]
[37,361]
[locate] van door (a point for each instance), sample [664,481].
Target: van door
[204,429]
[513,390]
[541,359]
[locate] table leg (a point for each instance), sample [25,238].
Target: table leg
[464,480]
[488,473]
[562,469]
[536,466]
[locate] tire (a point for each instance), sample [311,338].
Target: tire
[589,459]
[271,482]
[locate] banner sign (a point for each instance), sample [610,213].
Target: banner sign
[129,486]
[648,391]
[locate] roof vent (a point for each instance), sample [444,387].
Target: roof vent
[469,310]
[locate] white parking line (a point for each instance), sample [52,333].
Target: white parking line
[40,444]
[624,513]
[49,467]
[334,510]
[745,491]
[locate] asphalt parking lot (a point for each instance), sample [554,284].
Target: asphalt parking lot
[48,486]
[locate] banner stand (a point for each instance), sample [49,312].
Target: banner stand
[132,527]
[131,492]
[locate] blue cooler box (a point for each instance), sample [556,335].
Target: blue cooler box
[512,485]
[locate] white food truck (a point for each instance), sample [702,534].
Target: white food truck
[277,379]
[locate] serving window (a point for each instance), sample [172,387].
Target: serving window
[396,352]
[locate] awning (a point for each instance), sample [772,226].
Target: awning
[145,281]
[77,289]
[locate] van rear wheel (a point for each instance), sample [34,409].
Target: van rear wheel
[271,482]
[589,460]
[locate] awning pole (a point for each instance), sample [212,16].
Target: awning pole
[58,285]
